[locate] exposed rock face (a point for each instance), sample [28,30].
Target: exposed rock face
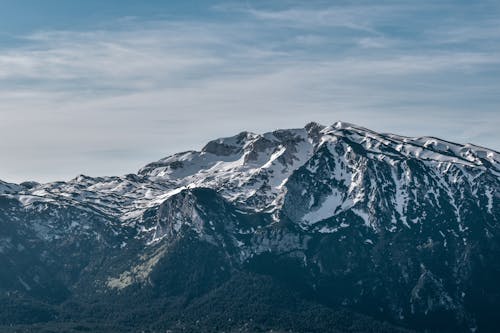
[401,229]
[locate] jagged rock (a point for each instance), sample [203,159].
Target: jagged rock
[401,229]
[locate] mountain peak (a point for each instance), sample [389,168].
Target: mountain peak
[313,126]
[408,223]
[229,145]
[343,125]
[9,187]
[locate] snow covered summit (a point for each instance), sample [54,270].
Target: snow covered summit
[357,217]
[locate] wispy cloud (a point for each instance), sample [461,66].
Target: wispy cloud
[362,18]
[157,87]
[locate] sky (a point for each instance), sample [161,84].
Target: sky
[104,87]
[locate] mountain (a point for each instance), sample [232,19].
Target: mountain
[318,229]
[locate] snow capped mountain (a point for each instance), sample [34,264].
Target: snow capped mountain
[250,168]
[259,173]
[405,227]
[9,187]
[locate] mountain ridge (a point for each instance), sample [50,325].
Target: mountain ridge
[329,203]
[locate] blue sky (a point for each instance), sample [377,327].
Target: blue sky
[103,87]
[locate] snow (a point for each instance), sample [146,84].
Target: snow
[326,209]
[489,195]
[400,198]
[364,215]
[9,187]
[328,230]
[29,199]
[253,171]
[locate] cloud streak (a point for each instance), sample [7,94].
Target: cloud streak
[141,90]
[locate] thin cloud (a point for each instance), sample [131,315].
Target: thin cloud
[362,18]
[148,89]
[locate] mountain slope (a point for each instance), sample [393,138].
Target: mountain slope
[401,229]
